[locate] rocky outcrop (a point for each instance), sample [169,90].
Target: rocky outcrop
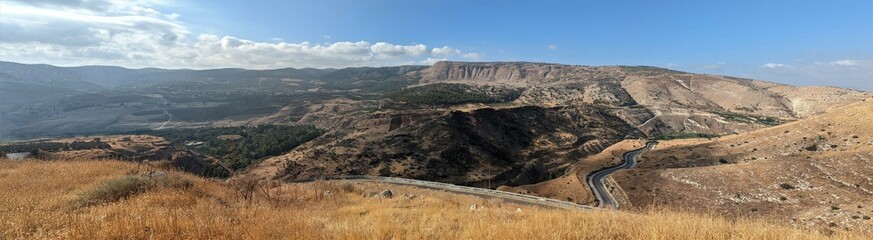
[667,93]
[506,72]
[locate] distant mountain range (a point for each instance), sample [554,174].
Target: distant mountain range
[48,100]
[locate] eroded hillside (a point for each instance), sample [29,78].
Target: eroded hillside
[682,101]
[482,147]
[814,173]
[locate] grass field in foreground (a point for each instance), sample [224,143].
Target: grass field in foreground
[90,199]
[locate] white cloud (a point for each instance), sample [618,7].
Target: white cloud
[773,65]
[398,50]
[844,63]
[552,47]
[445,51]
[134,34]
[430,61]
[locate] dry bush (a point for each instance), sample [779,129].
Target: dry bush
[126,186]
[115,189]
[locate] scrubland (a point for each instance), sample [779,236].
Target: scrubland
[102,199]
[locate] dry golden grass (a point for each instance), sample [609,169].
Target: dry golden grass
[742,175]
[38,201]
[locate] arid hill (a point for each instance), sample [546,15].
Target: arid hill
[533,122]
[814,173]
[681,101]
[483,147]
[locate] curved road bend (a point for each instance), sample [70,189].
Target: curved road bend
[595,179]
[482,192]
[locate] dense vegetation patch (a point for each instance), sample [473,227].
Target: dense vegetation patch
[735,117]
[221,112]
[34,147]
[683,135]
[240,147]
[455,93]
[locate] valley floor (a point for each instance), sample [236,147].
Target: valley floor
[88,199]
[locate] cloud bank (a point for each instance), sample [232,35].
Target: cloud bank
[133,33]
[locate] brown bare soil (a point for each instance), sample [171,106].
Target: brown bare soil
[813,173]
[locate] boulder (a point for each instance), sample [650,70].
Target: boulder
[386,194]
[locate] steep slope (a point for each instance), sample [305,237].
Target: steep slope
[682,101]
[483,147]
[814,172]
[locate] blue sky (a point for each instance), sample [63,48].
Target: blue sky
[796,42]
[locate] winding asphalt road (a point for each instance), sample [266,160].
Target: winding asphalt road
[482,192]
[596,178]
[603,196]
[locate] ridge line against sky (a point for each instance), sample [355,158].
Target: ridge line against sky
[792,42]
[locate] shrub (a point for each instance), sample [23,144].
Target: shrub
[116,189]
[786,186]
[683,135]
[124,187]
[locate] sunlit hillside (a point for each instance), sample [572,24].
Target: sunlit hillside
[88,199]
[813,173]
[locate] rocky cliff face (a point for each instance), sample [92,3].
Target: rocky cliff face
[711,102]
[506,72]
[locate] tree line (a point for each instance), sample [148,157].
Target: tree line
[253,144]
